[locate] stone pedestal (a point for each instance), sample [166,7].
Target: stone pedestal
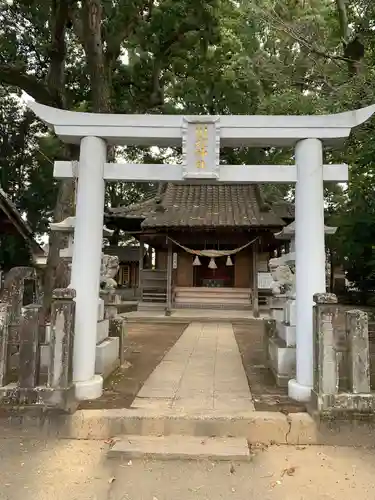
[277,304]
[280,342]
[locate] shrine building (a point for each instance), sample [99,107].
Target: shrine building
[211,242]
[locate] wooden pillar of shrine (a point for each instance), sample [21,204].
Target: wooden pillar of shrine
[141,259]
[255,280]
[169,279]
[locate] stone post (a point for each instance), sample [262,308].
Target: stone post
[326,374]
[359,357]
[310,259]
[62,336]
[86,265]
[270,332]
[4,321]
[117,328]
[29,347]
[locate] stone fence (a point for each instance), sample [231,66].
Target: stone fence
[341,360]
[36,357]
[21,369]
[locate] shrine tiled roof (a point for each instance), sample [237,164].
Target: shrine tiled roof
[203,205]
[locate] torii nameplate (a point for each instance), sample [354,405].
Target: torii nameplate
[201,148]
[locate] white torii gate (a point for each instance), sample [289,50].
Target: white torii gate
[201,138]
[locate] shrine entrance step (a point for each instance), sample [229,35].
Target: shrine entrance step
[212,298]
[177,447]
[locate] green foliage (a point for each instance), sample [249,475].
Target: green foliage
[191,56]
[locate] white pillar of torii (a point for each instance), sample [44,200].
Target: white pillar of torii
[201,138]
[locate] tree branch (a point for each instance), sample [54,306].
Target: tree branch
[115,40]
[16,77]
[57,51]
[279,24]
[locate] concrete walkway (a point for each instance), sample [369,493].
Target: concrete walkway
[202,371]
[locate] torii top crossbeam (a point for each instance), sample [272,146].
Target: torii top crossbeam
[235,130]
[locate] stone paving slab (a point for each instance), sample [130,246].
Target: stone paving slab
[180,448]
[202,371]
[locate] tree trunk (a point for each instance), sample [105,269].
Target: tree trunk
[343,20]
[93,45]
[353,47]
[55,274]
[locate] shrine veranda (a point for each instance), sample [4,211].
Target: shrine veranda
[201,138]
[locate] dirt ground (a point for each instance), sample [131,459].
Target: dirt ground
[80,470]
[267,396]
[145,347]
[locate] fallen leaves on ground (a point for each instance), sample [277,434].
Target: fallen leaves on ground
[290,471]
[275,483]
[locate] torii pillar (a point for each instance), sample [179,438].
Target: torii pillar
[201,138]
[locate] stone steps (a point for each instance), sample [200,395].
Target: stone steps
[212,298]
[151,306]
[213,291]
[178,447]
[214,306]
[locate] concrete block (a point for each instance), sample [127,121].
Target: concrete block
[47,339]
[107,356]
[100,309]
[287,333]
[181,448]
[277,315]
[110,312]
[102,331]
[290,312]
[45,356]
[282,360]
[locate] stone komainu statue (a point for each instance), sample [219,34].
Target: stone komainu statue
[109,268]
[283,277]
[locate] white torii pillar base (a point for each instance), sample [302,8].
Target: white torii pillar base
[310,259]
[85,275]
